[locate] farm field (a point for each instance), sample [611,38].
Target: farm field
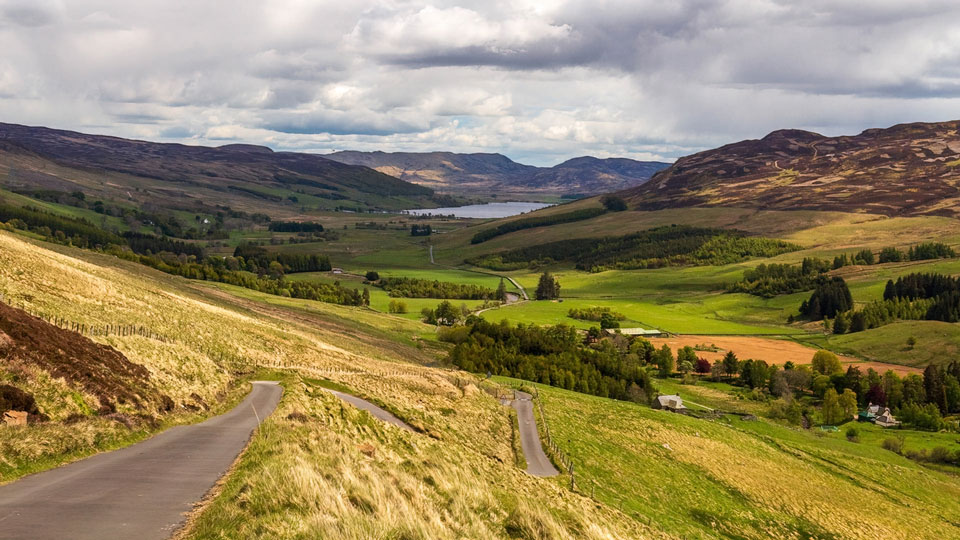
[707,479]
[772,351]
[714,314]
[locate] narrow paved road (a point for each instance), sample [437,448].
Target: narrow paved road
[538,464]
[142,491]
[377,412]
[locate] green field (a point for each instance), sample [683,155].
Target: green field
[736,479]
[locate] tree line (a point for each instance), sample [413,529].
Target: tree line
[406,287]
[295,226]
[228,270]
[769,280]
[556,356]
[260,272]
[421,230]
[252,258]
[917,296]
[673,245]
[539,221]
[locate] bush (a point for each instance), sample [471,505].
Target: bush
[397,306]
[893,444]
[373,276]
[853,435]
[613,203]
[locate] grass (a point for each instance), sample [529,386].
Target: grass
[734,479]
[343,474]
[937,342]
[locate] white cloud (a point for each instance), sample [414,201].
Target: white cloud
[538,80]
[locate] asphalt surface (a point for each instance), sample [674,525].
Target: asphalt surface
[377,412]
[143,491]
[538,464]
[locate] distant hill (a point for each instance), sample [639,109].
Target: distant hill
[475,173]
[193,178]
[907,169]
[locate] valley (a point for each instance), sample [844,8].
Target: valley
[419,316]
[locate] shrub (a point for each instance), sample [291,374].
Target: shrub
[613,203]
[893,444]
[373,276]
[853,435]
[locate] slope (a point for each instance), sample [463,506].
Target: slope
[907,169]
[496,173]
[192,178]
[317,464]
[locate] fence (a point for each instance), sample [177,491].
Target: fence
[121,330]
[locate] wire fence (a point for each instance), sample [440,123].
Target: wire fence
[105,330]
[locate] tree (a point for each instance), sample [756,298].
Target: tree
[275,269]
[703,366]
[373,276]
[687,354]
[841,324]
[831,410]
[613,203]
[730,363]
[501,294]
[826,363]
[397,306]
[913,391]
[548,287]
[892,389]
[717,370]
[607,321]
[934,388]
[665,361]
[366,296]
[831,296]
[446,314]
[952,389]
[848,404]
[820,386]
[853,378]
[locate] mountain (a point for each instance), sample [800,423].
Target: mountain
[907,169]
[193,178]
[453,172]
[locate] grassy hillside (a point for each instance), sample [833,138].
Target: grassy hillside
[339,471]
[736,479]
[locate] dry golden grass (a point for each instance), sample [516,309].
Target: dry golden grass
[342,474]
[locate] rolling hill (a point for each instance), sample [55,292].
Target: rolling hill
[905,170]
[193,178]
[466,173]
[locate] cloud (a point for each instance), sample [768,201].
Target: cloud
[539,80]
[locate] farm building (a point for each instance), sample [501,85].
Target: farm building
[640,332]
[880,416]
[669,403]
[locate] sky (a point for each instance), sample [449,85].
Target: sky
[540,81]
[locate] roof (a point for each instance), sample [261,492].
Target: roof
[671,401]
[640,332]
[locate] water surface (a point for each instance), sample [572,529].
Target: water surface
[483,211]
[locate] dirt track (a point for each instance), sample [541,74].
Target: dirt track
[772,351]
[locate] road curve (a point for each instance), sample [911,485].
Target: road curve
[377,412]
[538,464]
[143,491]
